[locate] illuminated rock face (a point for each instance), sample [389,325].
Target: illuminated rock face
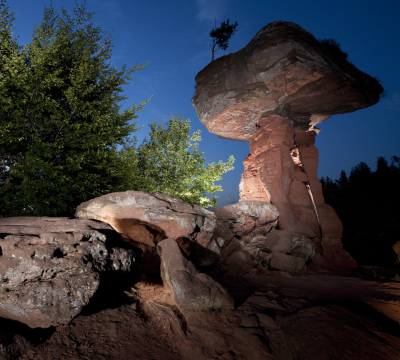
[272,93]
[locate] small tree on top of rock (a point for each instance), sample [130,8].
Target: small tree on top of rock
[221,36]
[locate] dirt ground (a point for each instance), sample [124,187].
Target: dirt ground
[315,316]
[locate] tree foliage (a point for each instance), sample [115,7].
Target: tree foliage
[221,36]
[170,163]
[61,125]
[367,203]
[60,122]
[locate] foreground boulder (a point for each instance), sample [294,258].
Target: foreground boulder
[272,93]
[192,290]
[51,267]
[144,219]
[149,218]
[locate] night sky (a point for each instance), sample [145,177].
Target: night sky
[173,36]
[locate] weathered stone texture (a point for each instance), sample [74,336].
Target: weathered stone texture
[192,290]
[49,267]
[235,236]
[149,218]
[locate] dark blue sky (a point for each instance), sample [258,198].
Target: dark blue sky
[174,37]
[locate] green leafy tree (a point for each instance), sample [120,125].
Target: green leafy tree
[60,122]
[170,163]
[221,36]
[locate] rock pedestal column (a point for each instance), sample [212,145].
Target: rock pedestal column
[282,169]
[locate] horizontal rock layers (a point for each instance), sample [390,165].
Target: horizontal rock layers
[272,93]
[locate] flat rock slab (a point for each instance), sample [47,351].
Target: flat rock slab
[49,267]
[149,218]
[193,290]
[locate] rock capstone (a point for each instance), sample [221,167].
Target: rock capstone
[149,218]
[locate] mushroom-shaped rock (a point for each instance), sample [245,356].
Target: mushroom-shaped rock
[272,93]
[283,71]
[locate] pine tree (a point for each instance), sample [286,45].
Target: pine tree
[60,121]
[221,36]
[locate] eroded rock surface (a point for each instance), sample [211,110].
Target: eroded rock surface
[149,218]
[310,317]
[272,93]
[192,290]
[238,228]
[282,71]
[50,267]
[145,219]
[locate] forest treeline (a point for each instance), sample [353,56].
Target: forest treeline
[367,202]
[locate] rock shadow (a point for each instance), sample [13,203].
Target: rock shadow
[110,293]
[16,338]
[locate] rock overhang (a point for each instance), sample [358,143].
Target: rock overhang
[282,71]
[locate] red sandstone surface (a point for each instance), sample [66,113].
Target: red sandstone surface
[310,317]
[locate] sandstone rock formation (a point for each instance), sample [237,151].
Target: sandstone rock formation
[245,237]
[272,93]
[50,267]
[287,251]
[192,290]
[237,226]
[145,219]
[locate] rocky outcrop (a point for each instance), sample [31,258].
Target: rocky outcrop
[237,225]
[51,267]
[245,238]
[243,248]
[192,290]
[145,219]
[272,93]
[149,218]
